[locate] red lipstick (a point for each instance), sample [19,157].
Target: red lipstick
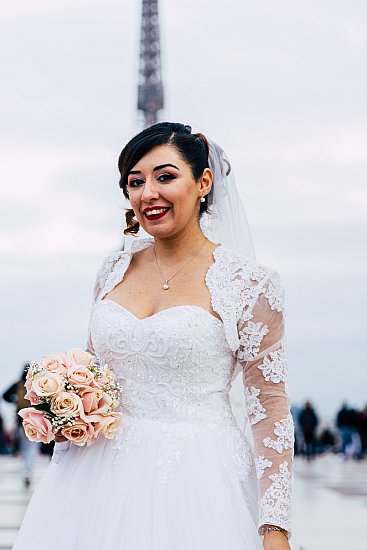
[155,212]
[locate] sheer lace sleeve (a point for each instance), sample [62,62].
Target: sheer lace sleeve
[261,353]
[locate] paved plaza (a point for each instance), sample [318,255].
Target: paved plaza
[330,502]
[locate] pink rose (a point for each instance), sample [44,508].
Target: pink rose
[55,362]
[46,384]
[36,426]
[66,404]
[78,375]
[79,433]
[32,397]
[95,402]
[77,356]
[108,425]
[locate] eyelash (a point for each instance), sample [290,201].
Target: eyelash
[167,176]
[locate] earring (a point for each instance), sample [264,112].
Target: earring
[202,199]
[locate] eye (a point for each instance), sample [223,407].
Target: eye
[165,177]
[135,182]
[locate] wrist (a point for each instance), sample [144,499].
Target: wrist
[269,530]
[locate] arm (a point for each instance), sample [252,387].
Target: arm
[261,354]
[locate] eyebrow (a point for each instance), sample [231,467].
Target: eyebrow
[156,168]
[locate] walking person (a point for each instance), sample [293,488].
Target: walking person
[308,422]
[177,317]
[347,421]
[362,428]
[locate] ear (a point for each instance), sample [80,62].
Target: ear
[206,182]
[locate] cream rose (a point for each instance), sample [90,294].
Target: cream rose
[77,356]
[55,362]
[109,425]
[78,375]
[36,426]
[66,404]
[46,384]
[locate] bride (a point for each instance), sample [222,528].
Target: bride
[177,315]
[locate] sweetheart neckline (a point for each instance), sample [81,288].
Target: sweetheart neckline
[161,311]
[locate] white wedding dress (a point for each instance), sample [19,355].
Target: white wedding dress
[181,474]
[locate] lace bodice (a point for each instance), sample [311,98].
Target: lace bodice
[173,371]
[162,362]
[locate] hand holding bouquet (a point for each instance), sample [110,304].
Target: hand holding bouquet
[71,397]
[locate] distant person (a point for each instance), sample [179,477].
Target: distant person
[308,422]
[28,449]
[362,428]
[347,421]
[327,440]
[4,450]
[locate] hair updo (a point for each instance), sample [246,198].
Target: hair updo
[193,148]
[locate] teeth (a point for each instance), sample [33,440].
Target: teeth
[156,211]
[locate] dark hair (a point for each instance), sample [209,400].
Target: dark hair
[193,148]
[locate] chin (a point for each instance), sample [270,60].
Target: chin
[159,230]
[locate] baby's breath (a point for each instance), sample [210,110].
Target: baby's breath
[62,421]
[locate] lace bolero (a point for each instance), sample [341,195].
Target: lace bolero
[249,299]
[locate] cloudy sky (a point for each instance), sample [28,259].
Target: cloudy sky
[281,85]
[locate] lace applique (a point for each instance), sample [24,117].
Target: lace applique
[261,462]
[170,445]
[115,265]
[250,340]
[274,369]
[171,441]
[284,430]
[108,266]
[255,410]
[242,460]
[275,292]
[275,504]
[233,282]
[129,436]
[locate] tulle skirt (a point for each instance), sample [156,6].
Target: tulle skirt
[157,487]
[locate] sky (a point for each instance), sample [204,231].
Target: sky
[280,85]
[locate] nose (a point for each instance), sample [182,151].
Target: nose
[150,190]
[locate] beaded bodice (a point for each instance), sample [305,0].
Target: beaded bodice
[173,366]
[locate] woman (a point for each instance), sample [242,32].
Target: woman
[175,317]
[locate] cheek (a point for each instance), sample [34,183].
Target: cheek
[135,199]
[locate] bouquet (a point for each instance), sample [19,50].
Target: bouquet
[71,396]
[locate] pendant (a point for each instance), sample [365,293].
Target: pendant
[166,285]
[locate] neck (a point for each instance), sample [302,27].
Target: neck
[178,247]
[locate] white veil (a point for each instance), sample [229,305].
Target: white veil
[225,222]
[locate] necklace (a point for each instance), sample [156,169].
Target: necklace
[165,284]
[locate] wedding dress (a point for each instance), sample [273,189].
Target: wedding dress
[181,475]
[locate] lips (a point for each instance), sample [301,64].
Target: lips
[156,212]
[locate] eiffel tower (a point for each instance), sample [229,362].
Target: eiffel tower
[150,90]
